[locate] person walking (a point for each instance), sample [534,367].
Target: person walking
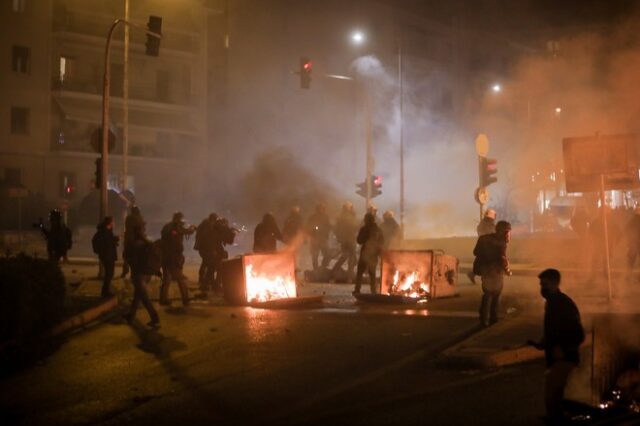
[144,262]
[563,335]
[134,219]
[371,242]
[204,246]
[491,264]
[105,245]
[346,231]
[172,237]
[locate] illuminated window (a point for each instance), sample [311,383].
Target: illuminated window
[19,121]
[67,68]
[20,59]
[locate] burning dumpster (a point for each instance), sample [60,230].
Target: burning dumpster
[414,276]
[264,280]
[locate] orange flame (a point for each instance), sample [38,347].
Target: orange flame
[262,288]
[409,284]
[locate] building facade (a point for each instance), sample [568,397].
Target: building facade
[52,81]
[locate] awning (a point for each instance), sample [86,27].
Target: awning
[90,111]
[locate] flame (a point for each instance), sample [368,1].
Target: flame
[409,284]
[262,288]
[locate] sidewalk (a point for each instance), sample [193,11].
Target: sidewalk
[499,345]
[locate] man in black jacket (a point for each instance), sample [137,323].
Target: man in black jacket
[491,262]
[142,267]
[58,236]
[563,334]
[105,244]
[371,242]
[266,235]
[172,237]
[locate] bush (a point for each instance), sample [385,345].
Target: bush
[32,293]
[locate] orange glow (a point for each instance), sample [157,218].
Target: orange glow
[409,285]
[263,287]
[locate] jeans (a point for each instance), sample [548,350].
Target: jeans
[169,273]
[492,283]
[140,295]
[370,268]
[556,379]
[109,267]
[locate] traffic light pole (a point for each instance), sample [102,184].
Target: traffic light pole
[105,114]
[368,149]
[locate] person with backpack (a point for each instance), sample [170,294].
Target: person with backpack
[144,261]
[371,243]
[491,264]
[105,245]
[172,236]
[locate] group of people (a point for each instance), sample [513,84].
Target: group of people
[349,232]
[164,257]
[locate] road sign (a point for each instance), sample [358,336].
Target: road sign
[482,145]
[96,140]
[482,195]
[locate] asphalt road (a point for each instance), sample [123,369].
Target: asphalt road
[341,363]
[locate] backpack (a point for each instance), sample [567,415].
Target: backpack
[95,243]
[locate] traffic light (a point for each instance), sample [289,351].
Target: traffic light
[98,173]
[488,168]
[306,66]
[376,186]
[153,41]
[67,185]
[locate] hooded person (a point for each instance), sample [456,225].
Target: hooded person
[371,243]
[266,235]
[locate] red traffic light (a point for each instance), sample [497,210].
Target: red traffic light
[307,66]
[377,180]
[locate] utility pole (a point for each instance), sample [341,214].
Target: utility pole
[125,104]
[368,148]
[400,84]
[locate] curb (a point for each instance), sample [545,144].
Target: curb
[85,317]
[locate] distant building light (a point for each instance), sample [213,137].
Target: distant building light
[496,88]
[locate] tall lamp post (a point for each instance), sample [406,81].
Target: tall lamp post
[155,23]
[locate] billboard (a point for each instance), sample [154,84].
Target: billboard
[615,157]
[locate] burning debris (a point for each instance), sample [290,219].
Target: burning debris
[263,288]
[409,284]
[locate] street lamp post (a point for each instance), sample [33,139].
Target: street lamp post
[105,113]
[401,95]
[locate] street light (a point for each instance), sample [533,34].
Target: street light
[357,37]
[496,88]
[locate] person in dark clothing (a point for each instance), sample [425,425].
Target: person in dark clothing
[134,219]
[346,231]
[491,264]
[371,242]
[633,239]
[105,245]
[486,226]
[142,267]
[563,334]
[204,245]
[172,236]
[58,236]
[390,229]
[318,230]
[266,235]
[293,227]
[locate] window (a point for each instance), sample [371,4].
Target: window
[13,177]
[19,6]
[67,68]
[20,62]
[19,120]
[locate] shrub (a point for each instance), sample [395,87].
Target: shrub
[32,293]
